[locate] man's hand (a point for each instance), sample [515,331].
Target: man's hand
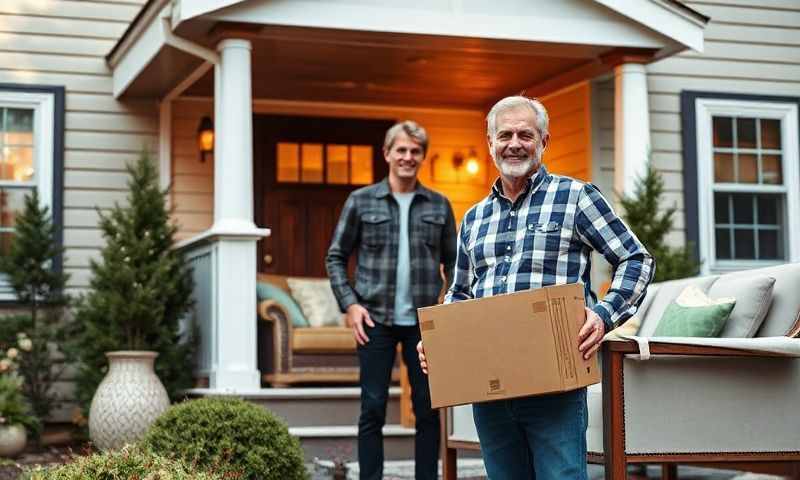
[422,362]
[591,333]
[356,317]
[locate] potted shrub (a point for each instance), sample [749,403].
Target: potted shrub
[16,419]
[139,293]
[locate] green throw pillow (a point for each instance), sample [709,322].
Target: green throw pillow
[267,291]
[703,321]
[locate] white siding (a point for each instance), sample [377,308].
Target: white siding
[751,47]
[64,43]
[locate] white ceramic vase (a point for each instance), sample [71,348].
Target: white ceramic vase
[128,400]
[12,440]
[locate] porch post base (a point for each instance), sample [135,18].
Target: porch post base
[235,381]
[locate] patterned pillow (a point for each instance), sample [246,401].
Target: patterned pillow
[694,314]
[316,300]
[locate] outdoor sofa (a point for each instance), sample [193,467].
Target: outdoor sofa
[723,402]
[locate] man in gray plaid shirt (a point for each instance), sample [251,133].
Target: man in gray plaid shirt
[403,233]
[533,230]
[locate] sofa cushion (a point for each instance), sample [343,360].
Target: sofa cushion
[316,299]
[323,340]
[664,295]
[694,314]
[268,291]
[753,295]
[629,328]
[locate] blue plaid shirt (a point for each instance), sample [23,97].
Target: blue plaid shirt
[545,238]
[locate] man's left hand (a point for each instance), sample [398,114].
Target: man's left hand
[591,333]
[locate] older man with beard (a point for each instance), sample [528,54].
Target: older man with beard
[533,230]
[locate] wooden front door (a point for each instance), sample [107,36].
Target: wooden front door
[305,167]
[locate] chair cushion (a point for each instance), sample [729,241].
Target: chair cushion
[664,295]
[753,296]
[316,299]
[268,291]
[323,339]
[694,314]
[630,327]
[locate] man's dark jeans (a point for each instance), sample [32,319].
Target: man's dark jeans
[377,359]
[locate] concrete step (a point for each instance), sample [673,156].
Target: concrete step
[314,407]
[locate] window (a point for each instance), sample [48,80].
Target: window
[747,182]
[330,164]
[30,156]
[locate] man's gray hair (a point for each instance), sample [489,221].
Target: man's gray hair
[410,128]
[517,101]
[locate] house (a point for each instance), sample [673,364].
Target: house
[299,93]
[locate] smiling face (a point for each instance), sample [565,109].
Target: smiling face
[404,157]
[517,144]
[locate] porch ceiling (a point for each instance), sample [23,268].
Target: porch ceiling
[314,64]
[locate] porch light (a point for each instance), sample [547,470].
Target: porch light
[472,162]
[205,137]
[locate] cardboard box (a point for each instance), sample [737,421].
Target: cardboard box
[506,346]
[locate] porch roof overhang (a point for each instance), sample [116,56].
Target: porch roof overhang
[432,53]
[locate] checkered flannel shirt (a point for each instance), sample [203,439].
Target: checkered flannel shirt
[370,224]
[546,238]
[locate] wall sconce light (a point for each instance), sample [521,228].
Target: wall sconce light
[205,137]
[469,162]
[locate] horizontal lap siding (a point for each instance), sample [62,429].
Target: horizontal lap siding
[64,43]
[751,47]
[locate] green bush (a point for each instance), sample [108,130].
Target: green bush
[129,463]
[216,431]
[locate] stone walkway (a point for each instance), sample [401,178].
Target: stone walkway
[472,469]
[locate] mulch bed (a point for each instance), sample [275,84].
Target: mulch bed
[11,469]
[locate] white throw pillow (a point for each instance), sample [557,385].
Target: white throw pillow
[692,296]
[316,299]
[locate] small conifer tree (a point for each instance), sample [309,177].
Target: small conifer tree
[39,287]
[139,292]
[651,225]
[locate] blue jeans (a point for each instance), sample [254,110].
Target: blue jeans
[541,438]
[377,359]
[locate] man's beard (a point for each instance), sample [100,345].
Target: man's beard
[521,169]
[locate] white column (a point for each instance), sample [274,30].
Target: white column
[233,170]
[631,126]
[234,234]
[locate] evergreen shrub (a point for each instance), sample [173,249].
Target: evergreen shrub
[243,437]
[129,463]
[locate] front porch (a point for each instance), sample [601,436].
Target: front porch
[232,61]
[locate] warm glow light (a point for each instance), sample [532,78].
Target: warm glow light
[207,140]
[472,166]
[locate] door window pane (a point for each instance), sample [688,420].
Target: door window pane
[746,133]
[288,162]
[311,163]
[337,157]
[723,132]
[361,164]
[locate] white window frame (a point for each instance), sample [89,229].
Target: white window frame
[705,109]
[43,106]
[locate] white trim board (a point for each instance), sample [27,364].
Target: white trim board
[705,108]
